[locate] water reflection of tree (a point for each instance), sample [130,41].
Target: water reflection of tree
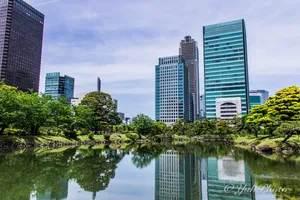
[144,154]
[22,174]
[92,170]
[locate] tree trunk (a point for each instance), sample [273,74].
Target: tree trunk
[287,137]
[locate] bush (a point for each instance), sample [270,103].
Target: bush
[91,136]
[132,136]
[106,136]
[14,131]
[85,132]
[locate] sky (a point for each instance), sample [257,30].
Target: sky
[121,41]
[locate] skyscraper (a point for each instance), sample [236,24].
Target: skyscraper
[258,97]
[116,102]
[225,65]
[98,84]
[171,90]
[189,51]
[59,86]
[21,38]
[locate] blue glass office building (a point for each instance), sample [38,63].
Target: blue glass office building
[225,64]
[171,90]
[258,97]
[59,86]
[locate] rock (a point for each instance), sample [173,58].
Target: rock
[266,148]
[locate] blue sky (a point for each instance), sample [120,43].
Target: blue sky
[120,41]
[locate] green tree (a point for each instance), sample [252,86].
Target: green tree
[143,124]
[159,128]
[180,127]
[289,129]
[104,108]
[36,111]
[10,106]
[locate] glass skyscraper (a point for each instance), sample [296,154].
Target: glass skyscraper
[258,97]
[21,38]
[171,90]
[225,65]
[189,51]
[59,86]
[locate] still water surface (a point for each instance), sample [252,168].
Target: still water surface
[165,172]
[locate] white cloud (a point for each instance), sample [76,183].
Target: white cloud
[121,41]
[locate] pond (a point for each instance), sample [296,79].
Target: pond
[146,172]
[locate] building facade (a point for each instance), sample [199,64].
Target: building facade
[225,64]
[59,86]
[116,103]
[121,116]
[189,51]
[21,38]
[202,105]
[228,108]
[258,97]
[172,99]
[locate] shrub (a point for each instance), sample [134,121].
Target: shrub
[85,132]
[14,131]
[132,136]
[91,136]
[106,136]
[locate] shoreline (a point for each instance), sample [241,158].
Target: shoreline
[263,147]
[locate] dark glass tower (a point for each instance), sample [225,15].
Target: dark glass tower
[189,51]
[98,84]
[21,38]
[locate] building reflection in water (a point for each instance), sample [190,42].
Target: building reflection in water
[192,178]
[57,194]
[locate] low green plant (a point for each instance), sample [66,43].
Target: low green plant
[132,136]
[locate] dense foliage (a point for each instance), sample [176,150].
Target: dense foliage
[31,113]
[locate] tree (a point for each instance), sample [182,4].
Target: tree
[104,108]
[159,128]
[223,128]
[10,106]
[289,129]
[180,127]
[143,124]
[284,106]
[36,111]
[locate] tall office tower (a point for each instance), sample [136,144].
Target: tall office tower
[21,38]
[258,97]
[189,51]
[171,90]
[98,84]
[225,65]
[59,86]
[116,103]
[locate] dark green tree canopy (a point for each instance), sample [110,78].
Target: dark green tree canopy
[103,106]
